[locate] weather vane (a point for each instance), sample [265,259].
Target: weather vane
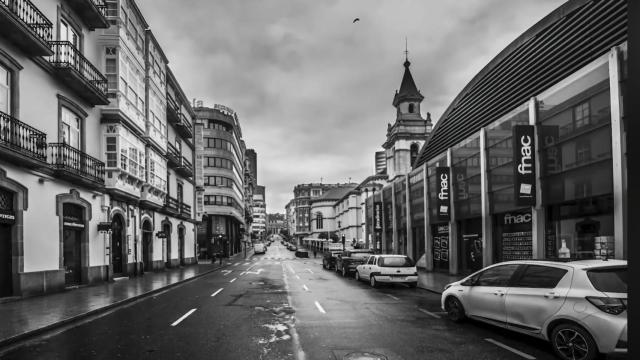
[406,49]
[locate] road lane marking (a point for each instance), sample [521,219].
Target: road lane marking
[393,297]
[242,273]
[247,263]
[236,264]
[298,276]
[290,269]
[305,287]
[429,313]
[232,280]
[226,272]
[183,317]
[515,351]
[309,270]
[216,293]
[320,308]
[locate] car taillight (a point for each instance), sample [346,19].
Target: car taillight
[613,306]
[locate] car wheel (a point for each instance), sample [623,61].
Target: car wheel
[455,310]
[571,342]
[344,272]
[373,282]
[357,276]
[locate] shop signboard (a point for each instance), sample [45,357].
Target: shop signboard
[7,217]
[440,235]
[443,192]
[524,165]
[377,216]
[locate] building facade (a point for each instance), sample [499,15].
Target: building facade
[259,224]
[276,223]
[89,162]
[223,174]
[536,170]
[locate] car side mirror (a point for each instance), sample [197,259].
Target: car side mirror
[468,282]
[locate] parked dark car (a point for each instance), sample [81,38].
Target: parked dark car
[302,253]
[292,247]
[347,260]
[329,259]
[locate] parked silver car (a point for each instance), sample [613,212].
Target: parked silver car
[388,269]
[579,306]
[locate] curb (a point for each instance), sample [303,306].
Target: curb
[29,334]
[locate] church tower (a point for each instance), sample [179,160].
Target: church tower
[410,130]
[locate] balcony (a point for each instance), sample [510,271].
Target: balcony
[92,12]
[24,25]
[185,211]
[171,205]
[78,72]
[21,143]
[173,110]
[184,127]
[185,168]
[74,165]
[173,156]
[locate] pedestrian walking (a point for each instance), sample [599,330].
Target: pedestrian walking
[314,253]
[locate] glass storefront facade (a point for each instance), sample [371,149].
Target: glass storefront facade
[400,203]
[439,229]
[416,211]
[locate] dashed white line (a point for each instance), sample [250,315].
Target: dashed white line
[309,270]
[216,293]
[393,297]
[305,287]
[183,317]
[236,264]
[429,313]
[320,308]
[247,263]
[515,351]
[232,280]
[298,276]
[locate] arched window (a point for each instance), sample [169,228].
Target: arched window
[318,220]
[411,108]
[414,152]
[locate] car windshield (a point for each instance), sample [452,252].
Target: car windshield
[395,262]
[609,280]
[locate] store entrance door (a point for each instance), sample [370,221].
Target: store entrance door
[71,256]
[117,234]
[147,237]
[6,283]
[181,245]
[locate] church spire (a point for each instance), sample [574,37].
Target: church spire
[408,90]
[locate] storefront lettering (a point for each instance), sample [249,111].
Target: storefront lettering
[7,217]
[444,187]
[526,163]
[517,219]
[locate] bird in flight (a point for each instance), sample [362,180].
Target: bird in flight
[356,19]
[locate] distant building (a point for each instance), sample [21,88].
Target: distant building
[259,224]
[276,223]
[252,160]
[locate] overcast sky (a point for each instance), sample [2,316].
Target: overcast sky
[312,89]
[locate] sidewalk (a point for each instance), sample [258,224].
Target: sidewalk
[435,281]
[31,316]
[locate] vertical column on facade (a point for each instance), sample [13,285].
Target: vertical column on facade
[487,223]
[394,221]
[618,157]
[538,211]
[453,227]
[428,239]
[383,235]
[407,204]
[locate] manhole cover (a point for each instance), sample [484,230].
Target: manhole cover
[363,356]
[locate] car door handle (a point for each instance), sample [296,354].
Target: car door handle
[499,293]
[550,295]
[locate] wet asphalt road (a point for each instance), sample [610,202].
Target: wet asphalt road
[276,306]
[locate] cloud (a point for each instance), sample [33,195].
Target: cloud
[312,89]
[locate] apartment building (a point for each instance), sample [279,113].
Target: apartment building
[259,224]
[83,148]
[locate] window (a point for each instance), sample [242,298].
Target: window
[609,280]
[5,90]
[411,108]
[71,128]
[581,115]
[112,151]
[544,277]
[111,68]
[319,221]
[395,262]
[67,33]
[496,276]
[179,193]
[414,152]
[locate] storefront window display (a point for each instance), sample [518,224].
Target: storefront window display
[400,193]
[439,227]
[387,209]
[466,192]
[575,154]
[512,225]
[416,197]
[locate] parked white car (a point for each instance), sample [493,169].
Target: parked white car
[388,269]
[579,306]
[259,248]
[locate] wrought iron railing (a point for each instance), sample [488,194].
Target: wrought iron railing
[185,209]
[22,138]
[66,55]
[186,164]
[31,16]
[171,203]
[65,157]
[102,6]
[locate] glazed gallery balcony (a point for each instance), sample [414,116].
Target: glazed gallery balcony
[92,12]
[75,165]
[22,23]
[180,122]
[79,73]
[22,143]
[185,168]
[173,156]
